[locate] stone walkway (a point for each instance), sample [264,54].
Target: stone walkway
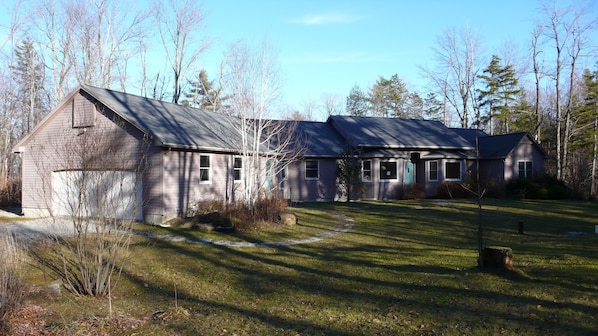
[35,228]
[345,225]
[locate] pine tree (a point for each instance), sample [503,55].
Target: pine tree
[432,108]
[357,103]
[498,97]
[203,93]
[389,98]
[28,75]
[586,119]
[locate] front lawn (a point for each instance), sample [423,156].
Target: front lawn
[405,268]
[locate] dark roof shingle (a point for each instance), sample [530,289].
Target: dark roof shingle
[365,132]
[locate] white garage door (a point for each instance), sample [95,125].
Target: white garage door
[98,194]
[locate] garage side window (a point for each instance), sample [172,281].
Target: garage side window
[204,169]
[312,169]
[238,169]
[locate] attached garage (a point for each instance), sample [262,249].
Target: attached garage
[98,194]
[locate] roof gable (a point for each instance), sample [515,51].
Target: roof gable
[173,125]
[500,146]
[375,132]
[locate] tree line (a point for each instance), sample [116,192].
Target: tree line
[547,87]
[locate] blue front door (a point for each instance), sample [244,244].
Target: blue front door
[409,173]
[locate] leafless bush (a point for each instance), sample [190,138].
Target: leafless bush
[10,191]
[264,212]
[93,178]
[11,286]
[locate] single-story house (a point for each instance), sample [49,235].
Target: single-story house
[170,157]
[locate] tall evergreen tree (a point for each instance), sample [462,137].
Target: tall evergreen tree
[357,102]
[585,138]
[498,96]
[432,108]
[389,98]
[28,75]
[203,93]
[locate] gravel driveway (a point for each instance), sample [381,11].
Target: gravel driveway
[44,227]
[34,227]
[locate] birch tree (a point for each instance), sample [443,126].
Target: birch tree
[253,82]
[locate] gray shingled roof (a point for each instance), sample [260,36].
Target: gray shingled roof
[499,146]
[364,132]
[318,139]
[469,134]
[171,124]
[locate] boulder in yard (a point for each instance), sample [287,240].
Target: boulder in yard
[287,218]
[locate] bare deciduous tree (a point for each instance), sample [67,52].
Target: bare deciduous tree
[253,83]
[91,177]
[178,24]
[458,66]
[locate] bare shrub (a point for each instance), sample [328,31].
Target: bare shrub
[91,177]
[414,192]
[262,215]
[10,191]
[11,285]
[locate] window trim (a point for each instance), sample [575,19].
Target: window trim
[460,178]
[527,174]
[311,169]
[396,173]
[363,170]
[208,168]
[436,170]
[239,169]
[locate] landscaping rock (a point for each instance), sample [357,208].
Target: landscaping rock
[287,218]
[206,227]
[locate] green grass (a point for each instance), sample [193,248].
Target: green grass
[406,268]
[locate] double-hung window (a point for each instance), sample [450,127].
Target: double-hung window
[433,170]
[366,171]
[204,169]
[312,169]
[526,169]
[238,169]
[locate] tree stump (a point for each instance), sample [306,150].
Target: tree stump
[500,257]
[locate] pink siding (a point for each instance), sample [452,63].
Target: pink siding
[183,189]
[524,151]
[321,189]
[57,146]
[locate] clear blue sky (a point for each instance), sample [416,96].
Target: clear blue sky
[328,46]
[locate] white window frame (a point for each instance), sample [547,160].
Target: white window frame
[208,168]
[382,179]
[363,170]
[430,170]
[460,170]
[318,169]
[527,174]
[284,173]
[239,169]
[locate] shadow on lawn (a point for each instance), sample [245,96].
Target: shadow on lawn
[331,279]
